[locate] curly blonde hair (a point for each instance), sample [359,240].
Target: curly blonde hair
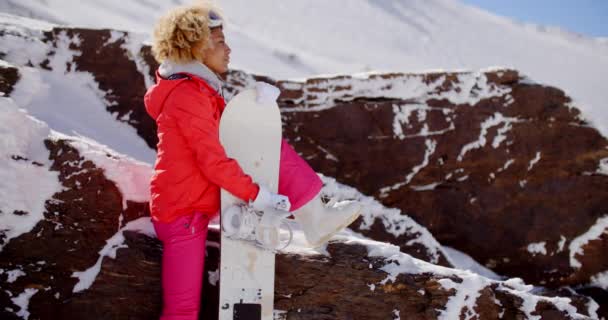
[183,33]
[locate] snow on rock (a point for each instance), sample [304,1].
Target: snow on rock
[493,121]
[593,233]
[603,167]
[23,301]
[88,276]
[534,161]
[600,280]
[25,180]
[130,175]
[133,43]
[12,275]
[537,248]
[402,118]
[464,88]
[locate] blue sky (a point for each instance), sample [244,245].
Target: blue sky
[589,17]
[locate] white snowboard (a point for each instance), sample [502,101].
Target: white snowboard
[251,134]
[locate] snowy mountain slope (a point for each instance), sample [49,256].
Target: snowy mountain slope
[300,39]
[69,102]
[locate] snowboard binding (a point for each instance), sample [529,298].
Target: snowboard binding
[242,222]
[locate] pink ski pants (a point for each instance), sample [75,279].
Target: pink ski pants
[184,239]
[183,264]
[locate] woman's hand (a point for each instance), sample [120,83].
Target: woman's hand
[266,199]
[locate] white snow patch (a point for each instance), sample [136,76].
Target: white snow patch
[402,114]
[23,301]
[506,165]
[465,297]
[214,277]
[396,314]
[26,184]
[600,280]
[592,308]
[22,46]
[577,244]
[534,161]
[114,36]
[12,275]
[603,167]
[537,248]
[430,186]
[133,43]
[501,134]
[561,243]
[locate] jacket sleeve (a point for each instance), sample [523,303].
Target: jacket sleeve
[196,121]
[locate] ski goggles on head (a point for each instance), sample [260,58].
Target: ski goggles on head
[214,19]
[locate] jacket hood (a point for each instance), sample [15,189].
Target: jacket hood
[154,99]
[158,93]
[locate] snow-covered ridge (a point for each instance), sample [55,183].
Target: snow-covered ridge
[462,87]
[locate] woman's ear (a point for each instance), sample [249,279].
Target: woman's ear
[198,50]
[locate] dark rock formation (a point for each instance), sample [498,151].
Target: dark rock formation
[516,168]
[8,77]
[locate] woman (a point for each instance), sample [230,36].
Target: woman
[191,164]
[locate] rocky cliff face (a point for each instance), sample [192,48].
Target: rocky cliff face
[494,165]
[489,162]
